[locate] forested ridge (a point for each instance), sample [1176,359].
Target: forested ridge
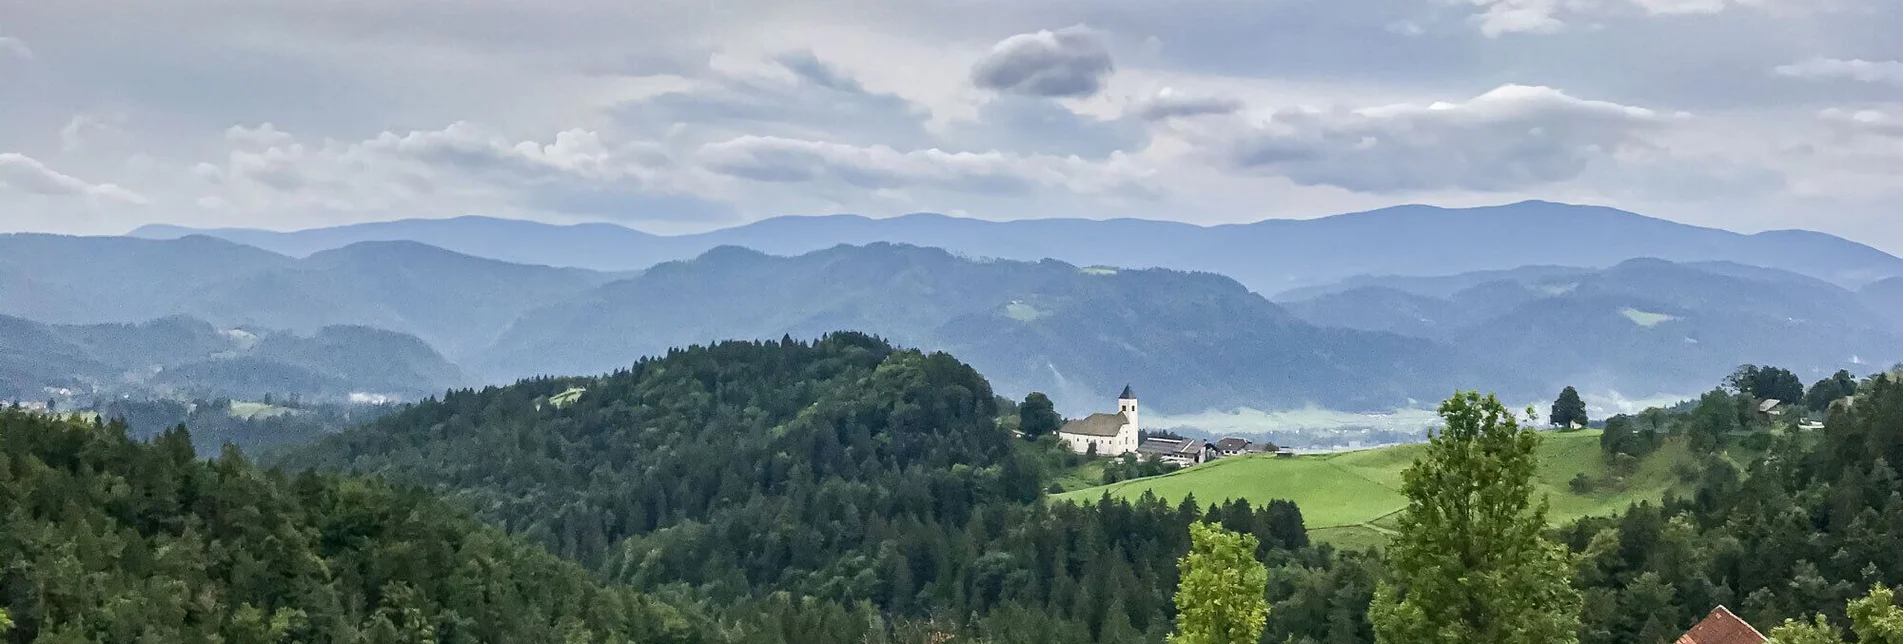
[106,539]
[844,490]
[874,484]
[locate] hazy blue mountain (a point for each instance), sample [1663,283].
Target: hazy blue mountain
[1195,341]
[1269,257]
[185,356]
[83,280]
[458,303]
[1641,327]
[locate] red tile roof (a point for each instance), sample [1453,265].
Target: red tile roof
[1722,627]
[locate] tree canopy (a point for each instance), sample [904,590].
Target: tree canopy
[1568,409]
[1470,563]
[1219,597]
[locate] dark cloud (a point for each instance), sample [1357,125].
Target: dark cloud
[1072,62]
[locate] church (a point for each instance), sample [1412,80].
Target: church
[1112,434]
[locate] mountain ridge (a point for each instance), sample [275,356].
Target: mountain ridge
[1269,256]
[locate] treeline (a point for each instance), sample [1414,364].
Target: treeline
[107,539]
[1808,523]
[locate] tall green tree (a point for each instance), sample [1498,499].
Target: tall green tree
[1220,599]
[1568,409]
[1829,390]
[1038,416]
[1470,564]
[1875,618]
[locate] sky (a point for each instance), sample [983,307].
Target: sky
[686,115]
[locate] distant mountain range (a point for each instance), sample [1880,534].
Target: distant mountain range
[1269,257]
[458,303]
[188,357]
[1644,326]
[1190,341]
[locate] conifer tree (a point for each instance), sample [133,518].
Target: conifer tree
[1568,409]
[1470,564]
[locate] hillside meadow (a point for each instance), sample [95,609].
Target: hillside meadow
[1350,499]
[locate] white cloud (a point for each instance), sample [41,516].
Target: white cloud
[1864,71]
[25,174]
[1168,103]
[1499,17]
[14,47]
[89,129]
[1863,121]
[1512,138]
[449,171]
[1071,62]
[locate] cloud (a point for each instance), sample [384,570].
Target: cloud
[1863,121]
[26,174]
[1514,137]
[1169,103]
[807,99]
[1032,125]
[1863,71]
[14,47]
[1072,62]
[86,129]
[1501,17]
[777,160]
[450,171]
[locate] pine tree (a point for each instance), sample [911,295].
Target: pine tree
[1220,598]
[1470,564]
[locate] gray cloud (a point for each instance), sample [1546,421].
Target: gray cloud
[779,160]
[819,101]
[26,174]
[1864,71]
[1031,125]
[1169,103]
[1511,138]
[1071,62]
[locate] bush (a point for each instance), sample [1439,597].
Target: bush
[1581,484]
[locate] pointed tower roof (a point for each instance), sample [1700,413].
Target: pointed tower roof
[1128,393]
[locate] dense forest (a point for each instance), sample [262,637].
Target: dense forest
[107,539]
[844,490]
[870,482]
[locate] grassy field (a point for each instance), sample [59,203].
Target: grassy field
[1350,499]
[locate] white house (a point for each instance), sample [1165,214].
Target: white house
[1112,434]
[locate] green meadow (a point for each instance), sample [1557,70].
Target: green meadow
[1351,498]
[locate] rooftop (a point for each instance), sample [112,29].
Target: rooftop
[1722,627]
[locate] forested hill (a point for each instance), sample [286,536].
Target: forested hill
[873,484]
[104,539]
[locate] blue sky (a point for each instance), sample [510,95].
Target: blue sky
[676,115]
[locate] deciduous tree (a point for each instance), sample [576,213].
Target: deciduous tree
[1220,599]
[1038,416]
[1568,409]
[1470,564]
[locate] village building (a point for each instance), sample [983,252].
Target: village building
[1722,627]
[1109,434]
[1233,446]
[1178,451]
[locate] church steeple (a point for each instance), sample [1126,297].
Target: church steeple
[1128,393]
